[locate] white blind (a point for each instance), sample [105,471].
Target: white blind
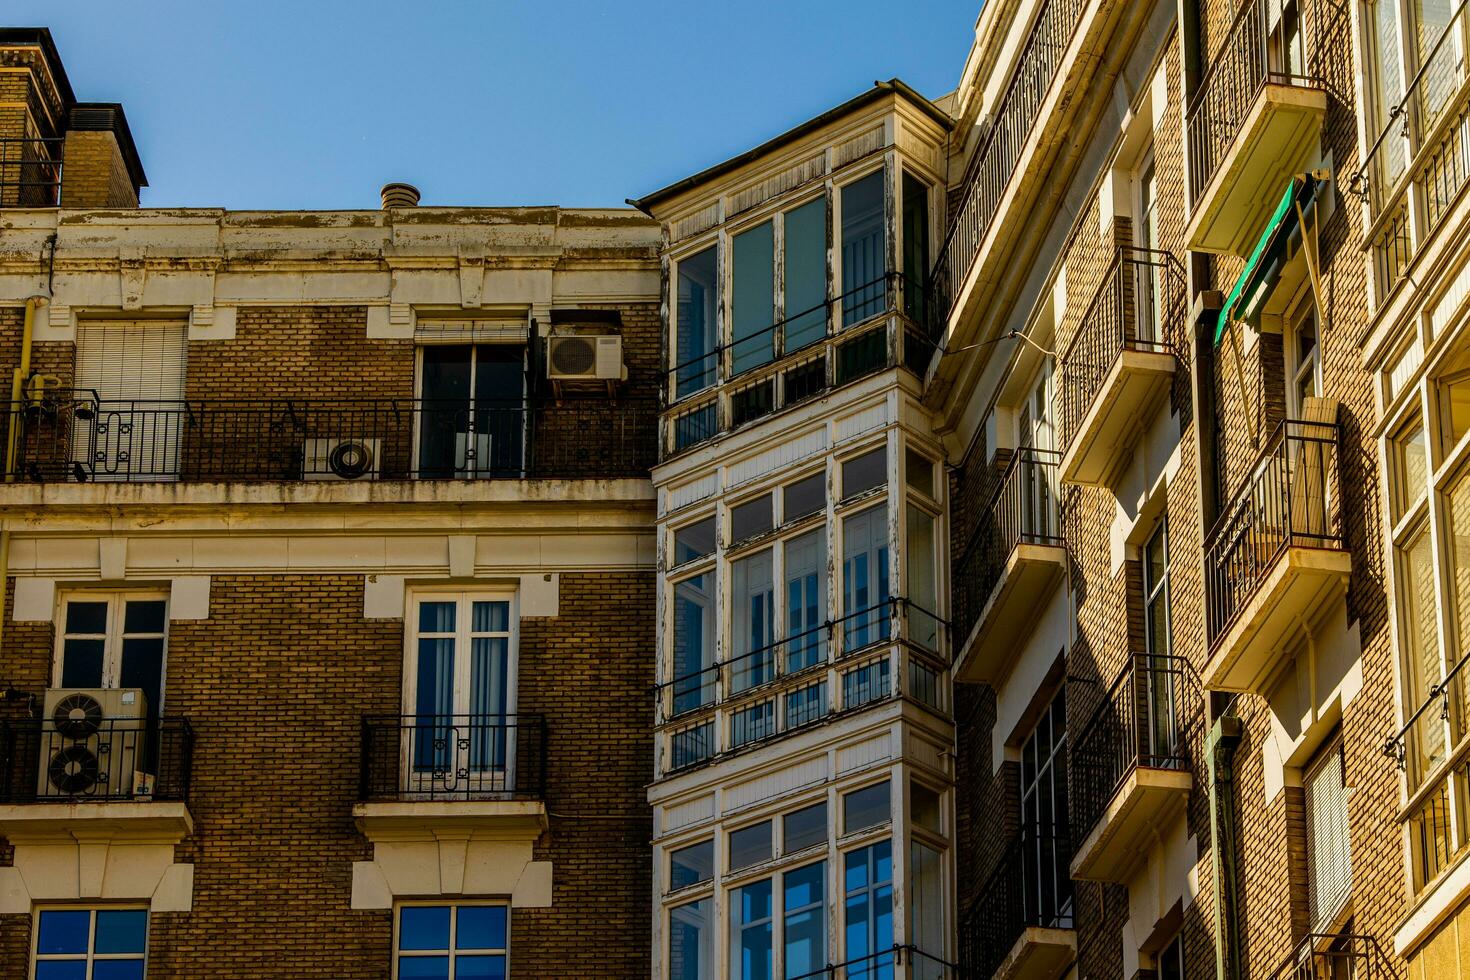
[470,331]
[1328,847]
[132,360]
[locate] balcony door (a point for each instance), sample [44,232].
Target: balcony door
[1036,431]
[1160,680]
[136,372]
[472,410]
[459,694]
[1046,875]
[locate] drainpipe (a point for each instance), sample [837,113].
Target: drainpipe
[1220,748]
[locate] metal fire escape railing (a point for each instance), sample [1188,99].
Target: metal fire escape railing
[1323,956]
[1022,510]
[115,760]
[1290,500]
[30,172]
[1252,56]
[1147,720]
[434,757]
[1141,304]
[994,161]
[1030,888]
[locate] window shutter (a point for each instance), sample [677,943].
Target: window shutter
[132,360]
[1328,847]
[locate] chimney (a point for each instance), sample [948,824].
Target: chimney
[400,196]
[100,168]
[35,100]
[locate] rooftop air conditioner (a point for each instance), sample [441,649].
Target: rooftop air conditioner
[92,742]
[585,358]
[341,459]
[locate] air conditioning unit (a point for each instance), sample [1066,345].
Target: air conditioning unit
[92,742]
[341,459]
[580,357]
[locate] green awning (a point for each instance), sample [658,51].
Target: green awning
[1264,264]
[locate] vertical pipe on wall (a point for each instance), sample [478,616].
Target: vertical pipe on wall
[1219,757]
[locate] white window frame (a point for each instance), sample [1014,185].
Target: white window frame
[91,955]
[117,600]
[451,953]
[449,340]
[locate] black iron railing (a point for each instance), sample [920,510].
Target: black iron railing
[766,371]
[77,436]
[897,962]
[994,162]
[30,172]
[1289,500]
[1145,721]
[1030,888]
[453,757]
[1323,956]
[1255,53]
[1023,510]
[1141,305]
[111,760]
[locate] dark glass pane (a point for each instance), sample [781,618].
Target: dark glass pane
[81,663]
[752,402]
[499,423]
[804,381]
[121,931]
[117,970]
[864,808]
[694,541]
[750,518]
[804,828]
[445,389]
[694,348]
[423,927]
[142,666]
[864,473]
[750,845]
[753,298]
[805,497]
[143,616]
[64,931]
[915,245]
[65,970]
[862,355]
[479,968]
[806,274]
[481,927]
[436,617]
[423,968]
[86,617]
[863,263]
[691,865]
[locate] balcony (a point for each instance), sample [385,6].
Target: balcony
[1274,557]
[901,961]
[1130,766]
[891,650]
[1328,956]
[77,437]
[1120,362]
[1021,928]
[1013,560]
[119,777]
[30,172]
[872,328]
[1255,123]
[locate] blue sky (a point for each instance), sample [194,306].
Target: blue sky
[316,103]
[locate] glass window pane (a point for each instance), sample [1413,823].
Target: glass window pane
[926,807]
[479,968]
[804,497]
[64,931]
[923,588]
[143,616]
[1459,515]
[117,970]
[691,941]
[490,617]
[863,262]
[436,617]
[919,472]
[806,274]
[865,592]
[752,615]
[804,828]
[806,600]
[480,927]
[694,682]
[694,541]
[61,970]
[121,930]
[805,919]
[750,518]
[863,473]
[753,298]
[915,245]
[695,359]
[926,905]
[86,617]
[691,865]
[1413,471]
[750,931]
[423,927]
[1421,652]
[81,663]
[750,845]
[423,968]
[866,807]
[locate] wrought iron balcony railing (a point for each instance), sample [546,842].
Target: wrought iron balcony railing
[1255,53]
[1022,510]
[30,173]
[1322,956]
[1146,721]
[889,649]
[901,961]
[870,328]
[453,757]
[1030,888]
[1141,305]
[76,436]
[994,162]
[1289,500]
[1420,161]
[114,760]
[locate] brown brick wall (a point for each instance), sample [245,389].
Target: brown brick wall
[94,174]
[275,682]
